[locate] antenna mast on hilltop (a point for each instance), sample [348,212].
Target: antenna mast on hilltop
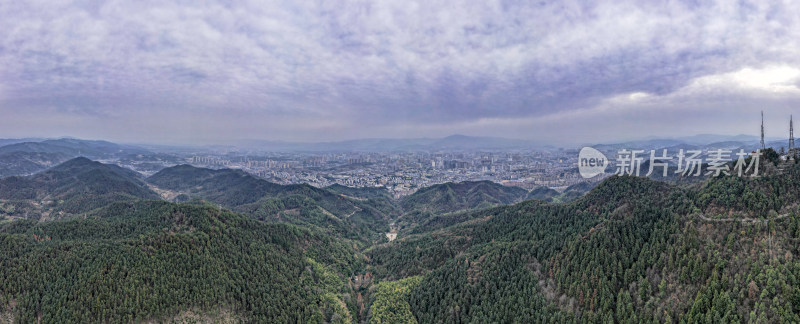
[791,136]
[762,131]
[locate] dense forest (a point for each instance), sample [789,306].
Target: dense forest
[75,186]
[89,242]
[20,163]
[632,250]
[153,260]
[351,217]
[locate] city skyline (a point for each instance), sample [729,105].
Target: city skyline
[559,73]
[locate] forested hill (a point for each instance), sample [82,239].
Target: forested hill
[632,250]
[363,192]
[235,188]
[356,212]
[569,194]
[77,185]
[165,262]
[22,163]
[25,157]
[226,187]
[543,193]
[352,217]
[73,147]
[450,197]
[431,205]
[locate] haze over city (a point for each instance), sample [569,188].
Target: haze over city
[552,72]
[399,161]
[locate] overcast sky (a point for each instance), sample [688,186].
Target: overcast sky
[208,71]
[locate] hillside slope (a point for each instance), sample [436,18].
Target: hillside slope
[450,197]
[73,147]
[23,163]
[77,185]
[261,199]
[631,250]
[152,261]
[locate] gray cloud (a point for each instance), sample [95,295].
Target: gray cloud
[310,70]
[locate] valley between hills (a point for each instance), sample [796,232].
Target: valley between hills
[86,241]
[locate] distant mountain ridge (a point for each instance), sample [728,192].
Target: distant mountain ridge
[743,141]
[28,156]
[572,192]
[450,197]
[98,148]
[169,258]
[264,200]
[77,185]
[22,163]
[631,250]
[370,209]
[227,187]
[452,142]
[75,147]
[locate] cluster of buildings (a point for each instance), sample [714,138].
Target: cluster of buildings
[402,173]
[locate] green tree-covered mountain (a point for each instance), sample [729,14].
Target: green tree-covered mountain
[353,217]
[569,194]
[631,250]
[156,261]
[73,147]
[428,205]
[22,163]
[76,186]
[364,193]
[450,197]
[543,193]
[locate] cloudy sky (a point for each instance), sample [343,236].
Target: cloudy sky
[561,71]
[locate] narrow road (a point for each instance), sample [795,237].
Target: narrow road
[358,209]
[743,220]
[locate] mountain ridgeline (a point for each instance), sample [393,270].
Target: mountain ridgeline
[632,250]
[569,194]
[75,186]
[73,147]
[90,242]
[29,156]
[450,197]
[160,261]
[357,213]
[300,204]
[81,221]
[24,163]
